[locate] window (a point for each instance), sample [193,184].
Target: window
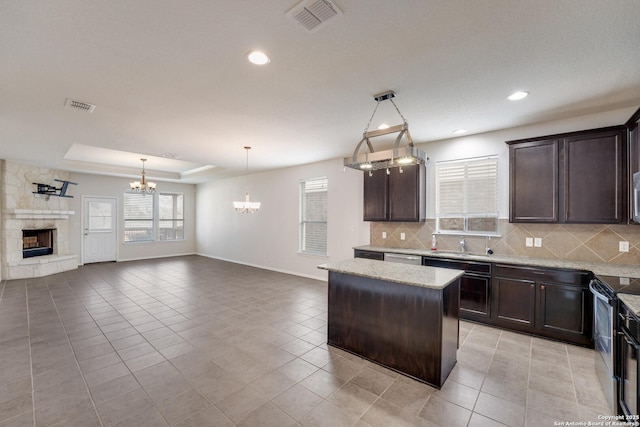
[170,217]
[313,216]
[466,196]
[138,217]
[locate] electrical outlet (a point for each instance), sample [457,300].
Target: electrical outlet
[623,246]
[384,234]
[402,236]
[537,242]
[528,241]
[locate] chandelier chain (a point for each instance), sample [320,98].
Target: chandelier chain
[366,129]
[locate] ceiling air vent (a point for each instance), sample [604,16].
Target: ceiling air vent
[312,14]
[79,105]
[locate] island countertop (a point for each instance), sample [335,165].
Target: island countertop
[415,275]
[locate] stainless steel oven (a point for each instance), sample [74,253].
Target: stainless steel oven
[636,197]
[604,306]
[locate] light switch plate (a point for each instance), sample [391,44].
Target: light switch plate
[528,241]
[402,236]
[384,234]
[624,246]
[537,242]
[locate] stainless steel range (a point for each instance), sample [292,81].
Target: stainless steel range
[605,312]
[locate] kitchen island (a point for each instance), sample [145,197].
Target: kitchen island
[404,317]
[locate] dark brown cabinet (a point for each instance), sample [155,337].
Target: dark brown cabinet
[376,202]
[515,303]
[633,139]
[396,196]
[554,303]
[593,177]
[570,178]
[533,191]
[550,302]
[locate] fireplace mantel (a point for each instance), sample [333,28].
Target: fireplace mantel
[38,213]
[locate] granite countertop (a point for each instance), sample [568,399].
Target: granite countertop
[631,301]
[604,269]
[415,275]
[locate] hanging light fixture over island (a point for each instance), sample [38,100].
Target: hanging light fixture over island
[247,206]
[395,157]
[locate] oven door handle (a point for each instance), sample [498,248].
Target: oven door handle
[599,295]
[629,339]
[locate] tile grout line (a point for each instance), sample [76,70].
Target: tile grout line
[55,306]
[526,398]
[33,388]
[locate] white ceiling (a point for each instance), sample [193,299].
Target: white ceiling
[171,76]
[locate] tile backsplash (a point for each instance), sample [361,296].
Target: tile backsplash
[574,242]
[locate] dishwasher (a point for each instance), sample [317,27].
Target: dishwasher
[403,259]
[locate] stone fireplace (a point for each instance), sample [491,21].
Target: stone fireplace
[35,231]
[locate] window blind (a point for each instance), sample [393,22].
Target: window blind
[466,195]
[313,216]
[138,217]
[170,216]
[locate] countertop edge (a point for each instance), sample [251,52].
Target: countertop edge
[412,275]
[622,270]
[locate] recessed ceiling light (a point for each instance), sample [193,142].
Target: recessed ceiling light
[460,131]
[258,58]
[517,95]
[383,126]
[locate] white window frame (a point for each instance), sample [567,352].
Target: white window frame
[152,219]
[469,209]
[322,185]
[174,220]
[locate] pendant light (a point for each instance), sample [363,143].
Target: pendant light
[143,186]
[397,156]
[247,206]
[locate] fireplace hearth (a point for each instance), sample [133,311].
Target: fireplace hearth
[37,242]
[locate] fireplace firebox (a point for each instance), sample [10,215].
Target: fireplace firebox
[37,242]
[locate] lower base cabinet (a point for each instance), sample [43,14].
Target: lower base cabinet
[553,303]
[548,302]
[515,303]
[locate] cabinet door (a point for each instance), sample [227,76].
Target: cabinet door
[565,311]
[593,177]
[375,196]
[474,296]
[533,181]
[407,193]
[514,303]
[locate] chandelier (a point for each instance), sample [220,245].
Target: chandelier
[247,206]
[143,186]
[397,156]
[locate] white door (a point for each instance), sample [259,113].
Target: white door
[99,223]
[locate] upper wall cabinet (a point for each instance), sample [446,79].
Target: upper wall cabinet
[577,177]
[633,127]
[397,196]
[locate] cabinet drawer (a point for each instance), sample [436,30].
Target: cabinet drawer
[467,266]
[574,277]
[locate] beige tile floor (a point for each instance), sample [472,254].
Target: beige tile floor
[191,341]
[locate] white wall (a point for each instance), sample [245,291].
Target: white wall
[493,143]
[105,186]
[269,238]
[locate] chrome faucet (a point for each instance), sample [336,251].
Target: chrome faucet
[463,245]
